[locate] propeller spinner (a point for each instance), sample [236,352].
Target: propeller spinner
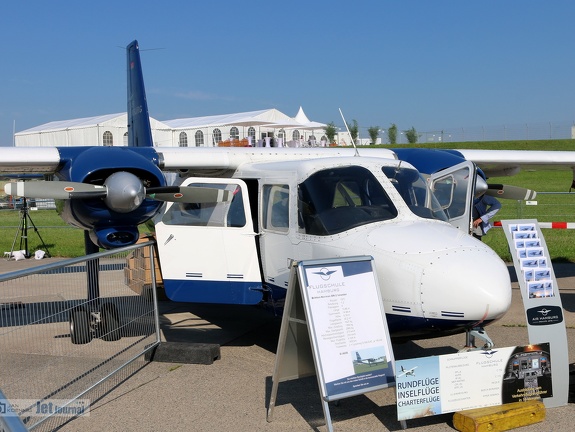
[125,192]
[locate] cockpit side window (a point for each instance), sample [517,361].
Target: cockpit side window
[338,199]
[451,191]
[215,214]
[415,192]
[275,207]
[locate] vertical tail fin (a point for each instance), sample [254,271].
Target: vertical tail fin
[139,130]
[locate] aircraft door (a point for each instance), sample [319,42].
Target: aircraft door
[275,242]
[453,188]
[208,249]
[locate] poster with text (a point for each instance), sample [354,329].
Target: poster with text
[476,379]
[349,327]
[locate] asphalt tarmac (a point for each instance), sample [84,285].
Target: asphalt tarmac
[232,393]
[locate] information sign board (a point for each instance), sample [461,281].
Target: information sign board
[348,327]
[541,299]
[338,303]
[475,379]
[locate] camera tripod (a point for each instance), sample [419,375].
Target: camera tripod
[22,231]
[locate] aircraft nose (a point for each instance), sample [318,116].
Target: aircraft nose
[457,280]
[473,281]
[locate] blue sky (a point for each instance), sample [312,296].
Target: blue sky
[423,64]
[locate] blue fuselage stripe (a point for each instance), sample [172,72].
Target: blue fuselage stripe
[221,292]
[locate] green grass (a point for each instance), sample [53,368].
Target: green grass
[64,240]
[549,145]
[61,239]
[549,208]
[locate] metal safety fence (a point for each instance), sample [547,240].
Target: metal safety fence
[71,331]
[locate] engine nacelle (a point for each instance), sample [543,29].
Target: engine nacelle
[109,228]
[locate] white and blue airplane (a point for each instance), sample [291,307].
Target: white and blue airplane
[369,361]
[229,221]
[407,372]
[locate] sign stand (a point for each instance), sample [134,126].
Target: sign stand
[541,300]
[334,326]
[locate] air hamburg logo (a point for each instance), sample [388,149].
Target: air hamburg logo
[325,274]
[544,315]
[488,354]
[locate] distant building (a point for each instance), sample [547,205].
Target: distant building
[264,127]
[110,129]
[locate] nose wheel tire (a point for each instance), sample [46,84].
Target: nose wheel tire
[80,331]
[109,322]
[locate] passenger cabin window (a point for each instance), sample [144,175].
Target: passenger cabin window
[226,211]
[415,192]
[275,207]
[336,200]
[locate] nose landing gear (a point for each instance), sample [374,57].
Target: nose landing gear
[103,323]
[95,319]
[471,334]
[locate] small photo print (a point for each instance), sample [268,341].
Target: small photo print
[542,274]
[540,289]
[526,227]
[524,235]
[532,243]
[529,263]
[535,252]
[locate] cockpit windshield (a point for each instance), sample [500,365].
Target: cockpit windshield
[338,199]
[415,192]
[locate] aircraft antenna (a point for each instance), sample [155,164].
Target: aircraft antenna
[347,128]
[396,171]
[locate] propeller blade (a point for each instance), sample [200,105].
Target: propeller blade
[511,192]
[189,194]
[54,189]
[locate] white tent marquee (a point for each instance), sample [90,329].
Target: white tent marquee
[111,129]
[313,125]
[250,118]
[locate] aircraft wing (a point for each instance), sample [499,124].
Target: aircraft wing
[498,163]
[204,158]
[29,160]
[494,163]
[50,159]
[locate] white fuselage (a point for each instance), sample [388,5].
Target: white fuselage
[434,278]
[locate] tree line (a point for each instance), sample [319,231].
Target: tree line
[373,131]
